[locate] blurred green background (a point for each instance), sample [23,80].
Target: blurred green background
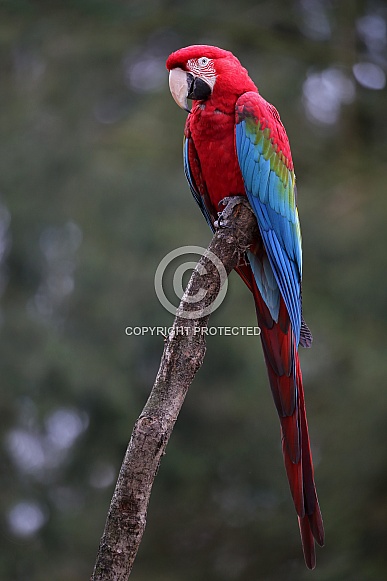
[92,197]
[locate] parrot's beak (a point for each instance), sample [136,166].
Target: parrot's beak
[178,85]
[185,86]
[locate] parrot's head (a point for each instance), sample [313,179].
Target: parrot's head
[201,72]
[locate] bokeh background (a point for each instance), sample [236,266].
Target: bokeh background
[93,196]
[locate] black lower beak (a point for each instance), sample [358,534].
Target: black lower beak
[197,88]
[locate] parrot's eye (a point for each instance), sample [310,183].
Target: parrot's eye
[203,61]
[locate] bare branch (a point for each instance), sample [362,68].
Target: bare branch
[183,356]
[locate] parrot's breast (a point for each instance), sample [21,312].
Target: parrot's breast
[213,134]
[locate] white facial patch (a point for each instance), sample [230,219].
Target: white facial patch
[204,68]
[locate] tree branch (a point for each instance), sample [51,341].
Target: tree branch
[183,356]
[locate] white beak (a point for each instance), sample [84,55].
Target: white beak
[178,86]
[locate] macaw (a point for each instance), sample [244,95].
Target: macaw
[236,145]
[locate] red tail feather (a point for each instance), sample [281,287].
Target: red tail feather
[285,379]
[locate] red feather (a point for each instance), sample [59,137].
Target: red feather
[216,174]
[287,388]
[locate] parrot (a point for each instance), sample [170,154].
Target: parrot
[236,145]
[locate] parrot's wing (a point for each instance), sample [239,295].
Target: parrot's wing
[267,169]
[190,156]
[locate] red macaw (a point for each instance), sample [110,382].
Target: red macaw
[235,144]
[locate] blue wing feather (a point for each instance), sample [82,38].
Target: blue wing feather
[271,195]
[266,281]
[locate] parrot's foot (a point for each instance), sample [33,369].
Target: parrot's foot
[229,204]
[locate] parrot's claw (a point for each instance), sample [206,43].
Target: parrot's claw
[229,204]
[218,223]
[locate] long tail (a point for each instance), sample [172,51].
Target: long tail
[281,356]
[284,370]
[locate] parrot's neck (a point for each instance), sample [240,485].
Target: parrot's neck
[212,121]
